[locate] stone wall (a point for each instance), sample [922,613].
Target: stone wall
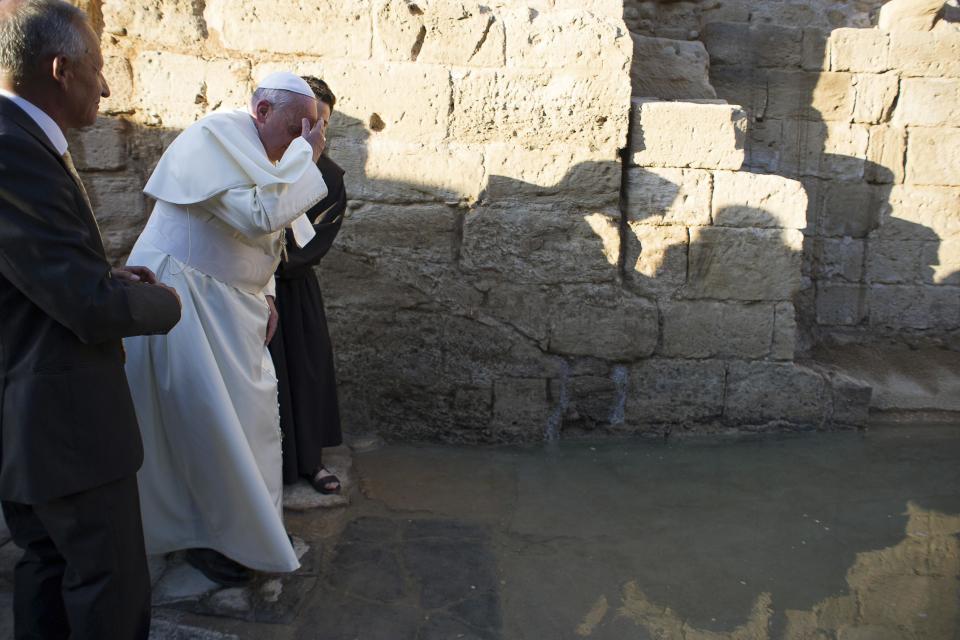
[496,279]
[866,119]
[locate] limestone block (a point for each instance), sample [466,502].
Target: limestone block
[742,85]
[608,8]
[537,245]
[929,102]
[415,233]
[603,322]
[119,77]
[900,261]
[850,209]
[596,399]
[667,196]
[784,345]
[387,171]
[840,258]
[571,174]
[760,45]
[322,28]
[921,213]
[886,150]
[841,304]
[914,306]
[539,108]
[670,69]
[179,89]
[688,135]
[744,264]
[397,101]
[525,308]
[656,259]
[522,403]
[174,23]
[439,32]
[811,96]
[743,199]
[909,15]
[816,50]
[934,55]
[833,150]
[933,156]
[119,207]
[708,329]
[671,391]
[569,40]
[101,146]
[860,50]
[876,95]
[763,391]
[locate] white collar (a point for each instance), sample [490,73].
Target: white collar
[45,122]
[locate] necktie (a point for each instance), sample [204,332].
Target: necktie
[72,168]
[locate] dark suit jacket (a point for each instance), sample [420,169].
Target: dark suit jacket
[67,422]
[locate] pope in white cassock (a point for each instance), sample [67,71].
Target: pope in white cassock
[205,394]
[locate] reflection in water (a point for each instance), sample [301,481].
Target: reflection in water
[905,592]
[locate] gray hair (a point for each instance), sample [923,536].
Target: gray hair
[35,30]
[279,98]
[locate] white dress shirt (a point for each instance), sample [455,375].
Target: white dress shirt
[45,122]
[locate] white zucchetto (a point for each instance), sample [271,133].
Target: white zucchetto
[286,81]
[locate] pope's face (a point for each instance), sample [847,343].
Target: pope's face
[279,127]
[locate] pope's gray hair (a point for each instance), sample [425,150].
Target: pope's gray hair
[34,30]
[279,98]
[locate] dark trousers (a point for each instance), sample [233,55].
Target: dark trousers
[83,574]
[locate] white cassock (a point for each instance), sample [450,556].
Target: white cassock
[206,393]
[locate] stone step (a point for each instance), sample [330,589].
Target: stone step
[670,69]
[706,134]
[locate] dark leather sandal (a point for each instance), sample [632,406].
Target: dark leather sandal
[319,481]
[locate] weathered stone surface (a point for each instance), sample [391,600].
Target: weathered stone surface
[860,50]
[885,155]
[396,101]
[850,209]
[876,95]
[311,27]
[909,15]
[816,49]
[422,233]
[933,156]
[101,146]
[119,76]
[841,304]
[759,45]
[925,54]
[743,199]
[176,89]
[561,173]
[524,404]
[672,391]
[603,322]
[678,134]
[174,23]
[535,246]
[832,150]
[530,107]
[763,391]
[383,170]
[570,40]
[440,32]
[656,259]
[667,196]
[784,344]
[808,96]
[900,261]
[706,329]
[670,69]
[929,102]
[744,264]
[914,306]
[840,258]
[921,213]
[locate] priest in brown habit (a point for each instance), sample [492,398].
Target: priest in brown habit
[301,348]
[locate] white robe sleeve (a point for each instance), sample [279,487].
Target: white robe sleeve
[271,288]
[257,211]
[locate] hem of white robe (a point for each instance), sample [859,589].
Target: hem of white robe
[253,563]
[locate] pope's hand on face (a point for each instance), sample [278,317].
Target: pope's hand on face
[315,136]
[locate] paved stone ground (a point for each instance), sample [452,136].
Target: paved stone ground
[825,536]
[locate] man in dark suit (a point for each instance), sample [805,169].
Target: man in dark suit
[69,443]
